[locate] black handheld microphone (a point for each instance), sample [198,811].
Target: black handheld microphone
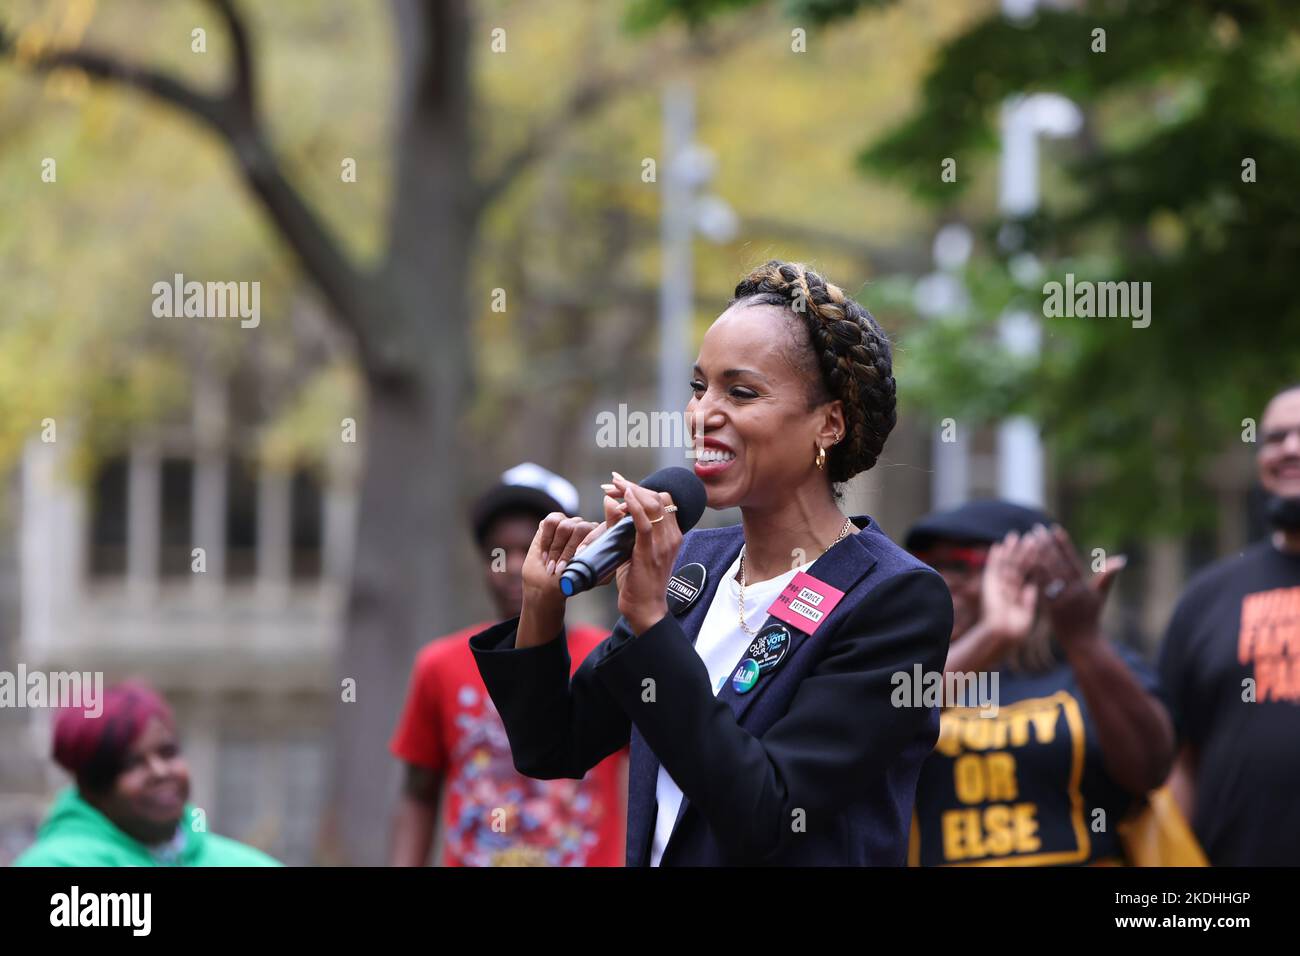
[615,546]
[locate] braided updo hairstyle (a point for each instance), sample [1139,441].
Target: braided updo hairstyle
[852,357]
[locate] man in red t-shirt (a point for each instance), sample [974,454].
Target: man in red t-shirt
[453,743]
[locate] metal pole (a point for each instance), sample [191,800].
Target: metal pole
[1020,452]
[675,285]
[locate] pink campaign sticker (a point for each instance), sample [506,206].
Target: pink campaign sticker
[805,602]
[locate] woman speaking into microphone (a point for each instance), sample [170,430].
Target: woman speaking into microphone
[754,667]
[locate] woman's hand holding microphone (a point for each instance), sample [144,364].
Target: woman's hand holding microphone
[642,581]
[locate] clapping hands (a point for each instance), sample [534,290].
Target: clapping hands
[1040,569]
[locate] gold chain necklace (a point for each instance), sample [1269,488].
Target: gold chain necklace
[752,631]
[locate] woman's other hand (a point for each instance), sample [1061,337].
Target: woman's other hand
[1072,599]
[557,540]
[643,580]
[1008,597]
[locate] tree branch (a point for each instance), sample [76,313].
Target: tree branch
[241,84]
[592,94]
[101,66]
[233,117]
[589,97]
[431,148]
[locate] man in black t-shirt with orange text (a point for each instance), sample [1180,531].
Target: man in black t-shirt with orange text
[1230,670]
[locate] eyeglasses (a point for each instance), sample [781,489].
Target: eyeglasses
[954,560]
[1276,436]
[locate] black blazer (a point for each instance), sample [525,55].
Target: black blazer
[813,766]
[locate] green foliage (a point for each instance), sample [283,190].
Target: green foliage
[1153,191]
[1185,92]
[958,354]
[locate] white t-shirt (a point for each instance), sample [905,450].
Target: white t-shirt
[721,644]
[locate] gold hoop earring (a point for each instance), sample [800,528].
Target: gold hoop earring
[821,458]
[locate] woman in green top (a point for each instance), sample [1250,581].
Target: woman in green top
[129,805]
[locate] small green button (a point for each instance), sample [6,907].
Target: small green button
[746,676]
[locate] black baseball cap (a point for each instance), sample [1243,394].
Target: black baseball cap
[526,488]
[976,522]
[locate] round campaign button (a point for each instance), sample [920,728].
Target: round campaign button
[685,587]
[746,676]
[768,649]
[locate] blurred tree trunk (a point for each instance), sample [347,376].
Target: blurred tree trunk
[407,320]
[415,363]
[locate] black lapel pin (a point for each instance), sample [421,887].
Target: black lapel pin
[685,587]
